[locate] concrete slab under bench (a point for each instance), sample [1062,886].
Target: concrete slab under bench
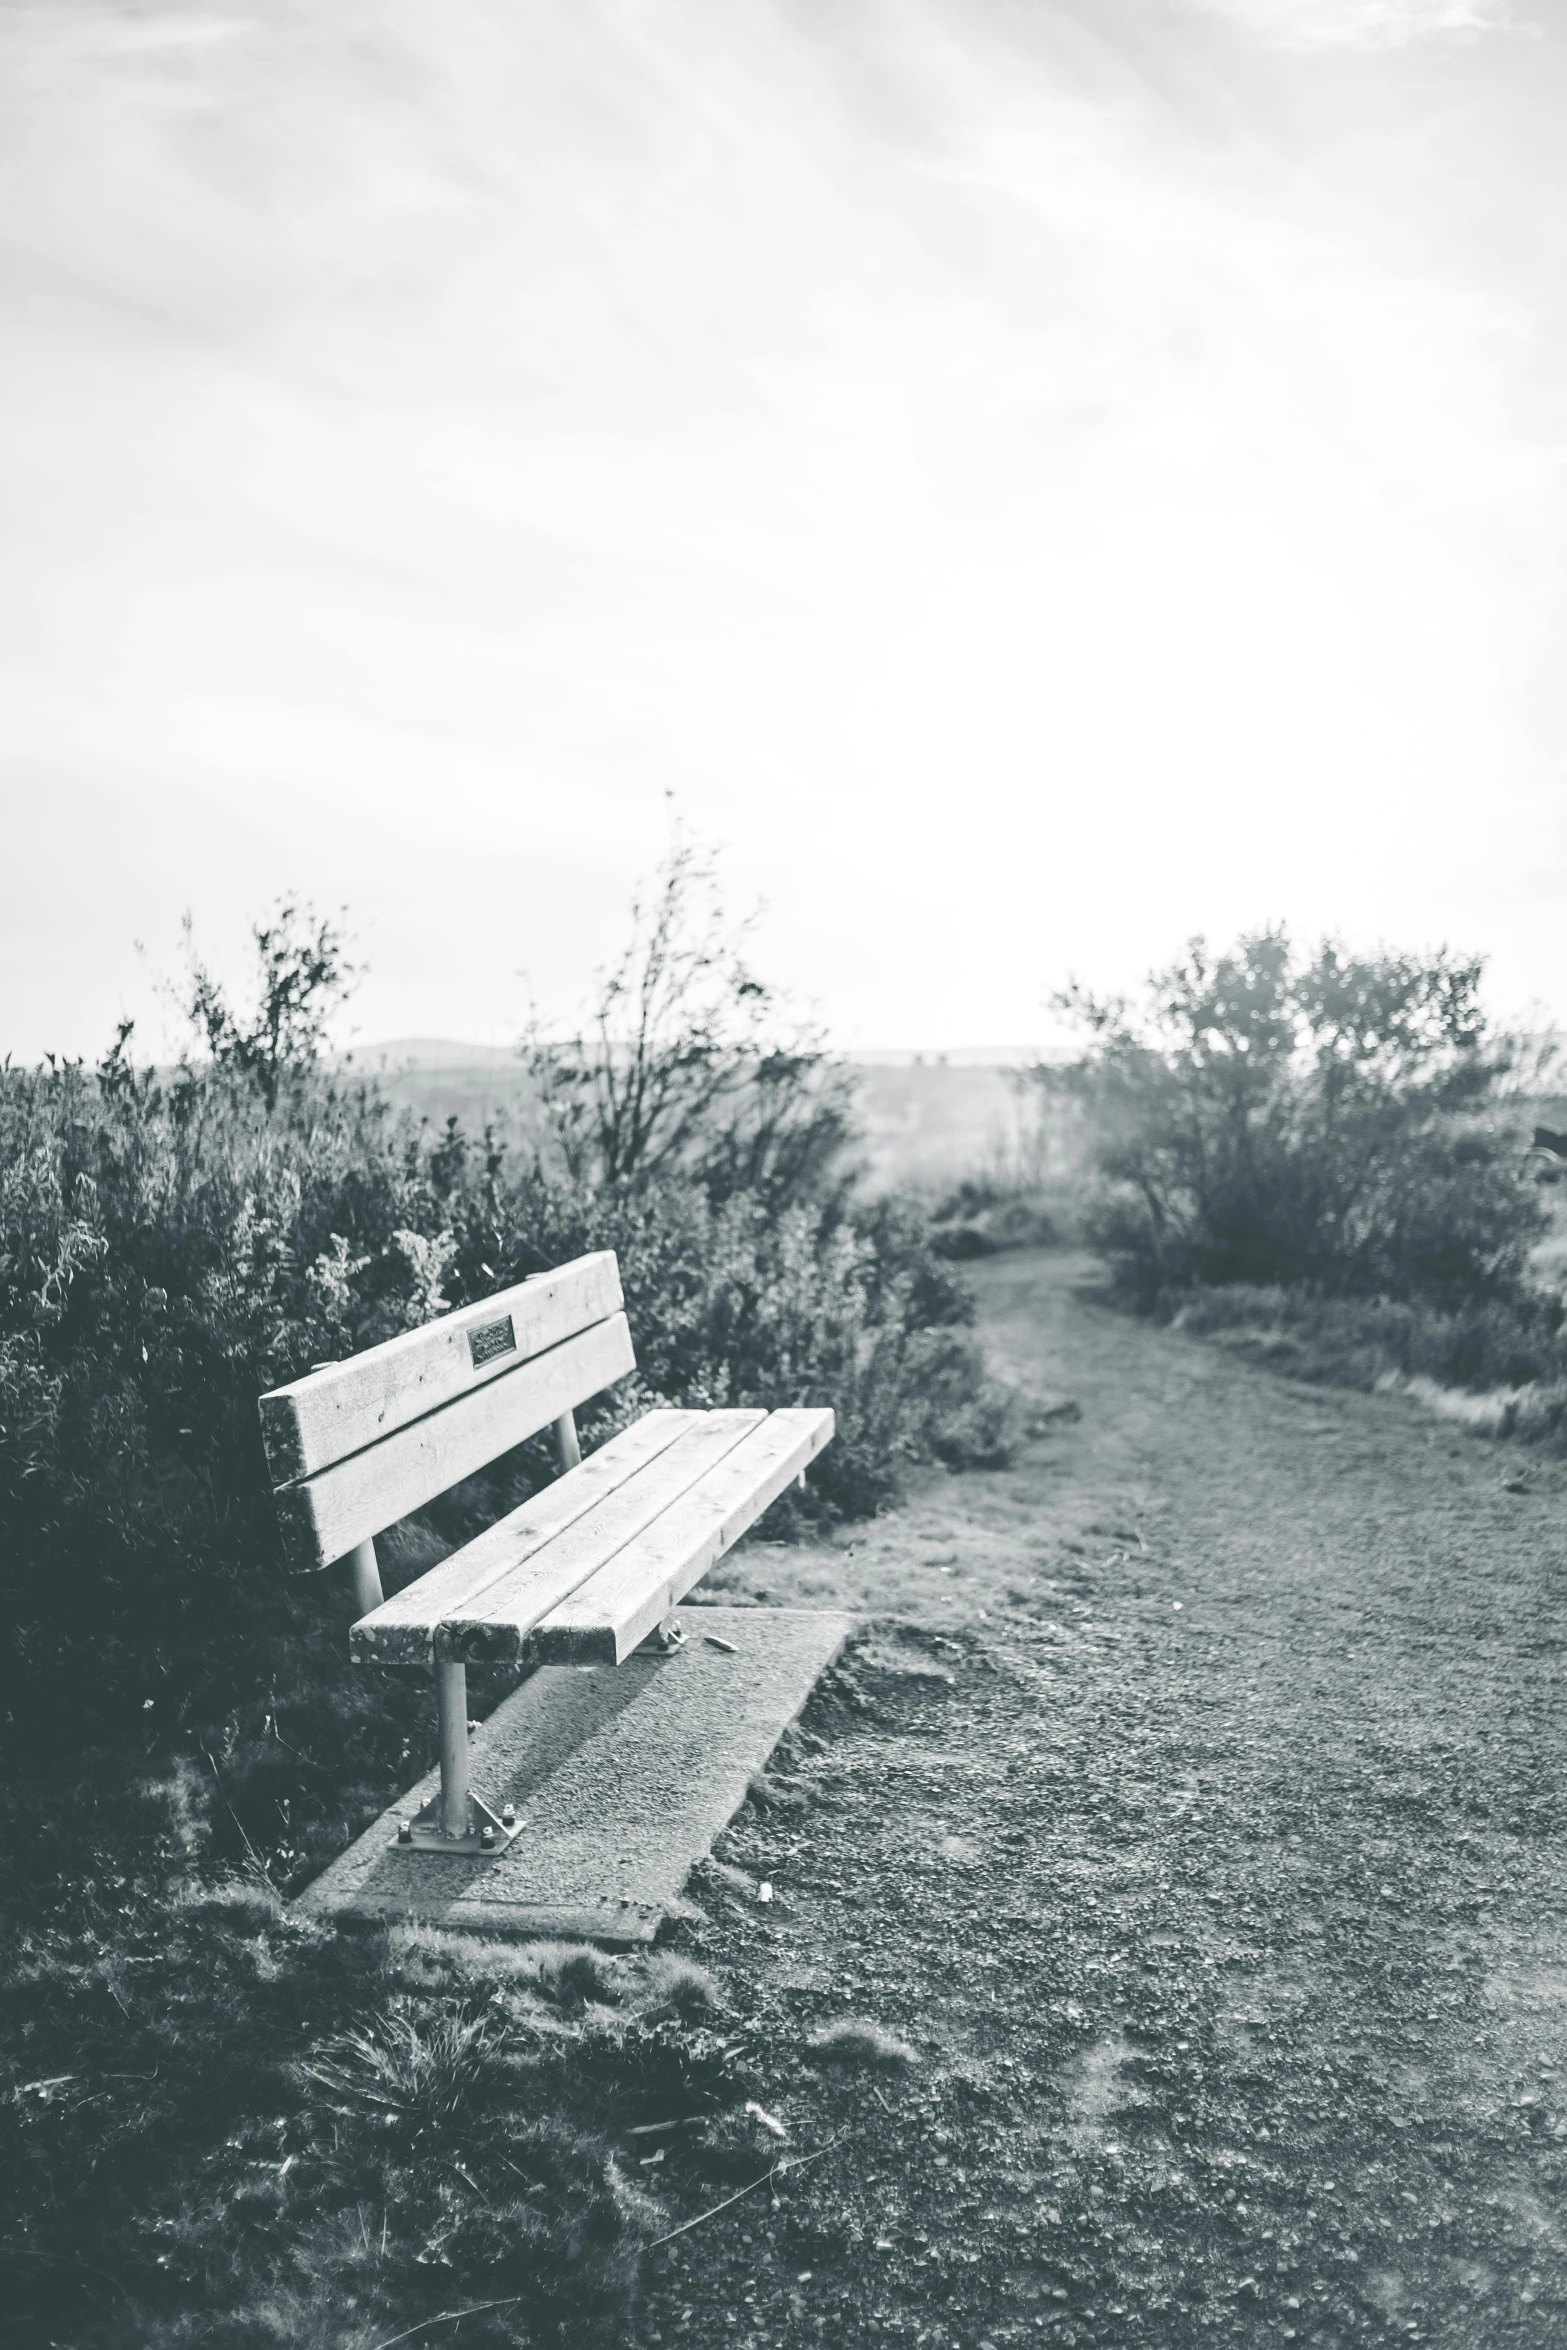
[622,1778]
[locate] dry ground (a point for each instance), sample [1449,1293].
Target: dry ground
[1199,1834]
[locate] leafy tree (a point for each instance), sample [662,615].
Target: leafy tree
[687,1064]
[1336,1120]
[303,975]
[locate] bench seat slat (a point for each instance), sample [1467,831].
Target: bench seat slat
[323,1518]
[338,1410]
[399,1631]
[609,1614]
[495,1627]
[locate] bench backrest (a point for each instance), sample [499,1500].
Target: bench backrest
[357,1445]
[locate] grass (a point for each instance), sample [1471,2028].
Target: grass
[1499,1364]
[227,2125]
[853,2041]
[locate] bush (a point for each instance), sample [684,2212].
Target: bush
[983,1216]
[1336,1122]
[225,2094]
[1497,1365]
[686,1064]
[215,2106]
[1481,1347]
[171,1247]
[170,1250]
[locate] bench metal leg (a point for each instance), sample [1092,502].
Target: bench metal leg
[365,1568]
[455,1822]
[568,1452]
[451,1699]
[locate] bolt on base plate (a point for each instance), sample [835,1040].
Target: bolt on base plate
[486,1834]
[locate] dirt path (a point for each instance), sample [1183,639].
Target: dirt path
[1201,1837]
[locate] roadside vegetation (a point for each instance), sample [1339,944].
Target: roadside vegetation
[227,2125]
[1325,1158]
[224,2126]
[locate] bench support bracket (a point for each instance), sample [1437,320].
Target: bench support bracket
[455,1822]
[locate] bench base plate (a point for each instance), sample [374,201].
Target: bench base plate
[486,1833]
[622,1777]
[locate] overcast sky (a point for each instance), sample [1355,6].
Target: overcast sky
[1036,480]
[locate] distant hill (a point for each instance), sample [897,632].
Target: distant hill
[925,1118]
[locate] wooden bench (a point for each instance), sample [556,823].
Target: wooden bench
[584,1571]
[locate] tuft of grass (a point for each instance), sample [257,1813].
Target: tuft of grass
[244,1903]
[574,1973]
[678,1986]
[854,2041]
[419,2072]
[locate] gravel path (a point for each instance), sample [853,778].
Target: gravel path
[1192,1814]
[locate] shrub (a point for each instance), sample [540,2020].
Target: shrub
[215,2106]
[168,1250]
[983,1216]
[1336,1121]
[1487,1347]
[171,1246]
[303,974]
[687,1065]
